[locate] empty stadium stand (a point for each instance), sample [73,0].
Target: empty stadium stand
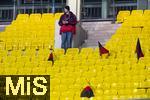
[34,31]
[24,50]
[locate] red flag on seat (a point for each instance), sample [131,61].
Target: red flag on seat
[87,92]
[51,56]
[139,50]
[102,50]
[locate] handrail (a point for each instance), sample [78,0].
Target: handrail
[93,10]
[8,13]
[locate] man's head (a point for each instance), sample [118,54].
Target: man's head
[66,9]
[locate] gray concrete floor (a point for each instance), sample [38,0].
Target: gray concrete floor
[98,31]
[2,27]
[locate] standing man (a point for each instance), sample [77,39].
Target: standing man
[68,23]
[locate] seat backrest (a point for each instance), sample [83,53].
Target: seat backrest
[146,12]
[22,17]
[35,17]
[47,16]
[58,15]
[124,13]
[137,13]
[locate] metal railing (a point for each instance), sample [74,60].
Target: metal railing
[9,12]
[91,10]
[117,6]
[6,13]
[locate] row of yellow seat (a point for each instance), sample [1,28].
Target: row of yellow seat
[34,21]
[124,42]
[22,31]
[121,76]
[71,96]
[98,78]
[84,74]
[123,15]
[38,17]
[26,44]
[127,52]
[112,64]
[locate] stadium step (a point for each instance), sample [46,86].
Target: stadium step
[98,31]
[2,27]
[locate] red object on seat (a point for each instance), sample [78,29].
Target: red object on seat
[102,50]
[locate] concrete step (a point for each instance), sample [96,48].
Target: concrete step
[92,28]
[99,31]
[2,27]
[92,38]
[97,23]
[94,45]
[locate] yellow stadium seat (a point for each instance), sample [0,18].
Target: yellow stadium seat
[54,96]
[86,51]
[139,91]
[67,96]
[3,53]
[10,70]
[47,16]
[148,92]
[38,58]
[125,92]
[93,56]
[146,12]
[22,17]
[30,52]
[122,15]
[9,46]
[39,71]
[35,18]
[2,45]
[107,97]
[2,69]
[59,51]
[137,13]
[44,52]
[98,92]
[23,59]
[77,97]
[58,15]
[45,64]
[32,16]
[124,97]
[9,59]
[25,71]
[72,51]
